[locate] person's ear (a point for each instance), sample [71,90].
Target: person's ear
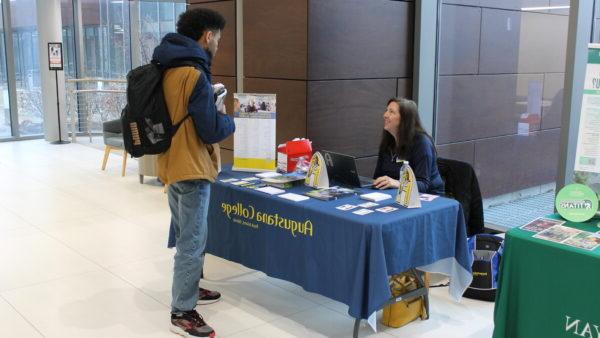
[209,36]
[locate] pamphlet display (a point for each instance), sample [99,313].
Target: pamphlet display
[408,192]
[254,139]
[316,176]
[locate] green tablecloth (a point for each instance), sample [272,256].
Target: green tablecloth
[548,289]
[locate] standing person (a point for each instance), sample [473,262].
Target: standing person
[191,163]
[405,139]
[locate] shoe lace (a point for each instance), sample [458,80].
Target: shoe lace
[197,318]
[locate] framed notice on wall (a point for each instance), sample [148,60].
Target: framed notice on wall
[254,138]
[55,56]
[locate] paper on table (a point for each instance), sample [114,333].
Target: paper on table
[294,197]
[268,174]
[362,212]
[271,190]
[375,196]
[368,205]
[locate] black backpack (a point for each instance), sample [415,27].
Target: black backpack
[487,254]
[147,126]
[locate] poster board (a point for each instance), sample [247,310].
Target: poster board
[55,56]
[254,147]
[587,158]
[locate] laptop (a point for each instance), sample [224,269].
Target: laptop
[342,168]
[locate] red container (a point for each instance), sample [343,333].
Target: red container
[289,153]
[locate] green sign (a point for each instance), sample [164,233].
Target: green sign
[576,202]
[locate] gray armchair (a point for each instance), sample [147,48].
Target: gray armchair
[113,140]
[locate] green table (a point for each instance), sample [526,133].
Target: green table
[548,289]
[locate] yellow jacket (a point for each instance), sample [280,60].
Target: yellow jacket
[188,158]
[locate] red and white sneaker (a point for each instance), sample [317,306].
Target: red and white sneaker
[190,324]
[207,297]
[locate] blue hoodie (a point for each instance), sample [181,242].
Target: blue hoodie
[211,126]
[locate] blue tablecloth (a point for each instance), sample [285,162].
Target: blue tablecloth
[336,253]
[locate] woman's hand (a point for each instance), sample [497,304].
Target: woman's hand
[385,182]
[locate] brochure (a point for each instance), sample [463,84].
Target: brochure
[428,197]
[328,194]
[557,233]
[362,212]
[541,224]
[368,205]
[270,190]
[347,207]
[584,240]
[386,209]
[375,196]
[284,180]
[293,197]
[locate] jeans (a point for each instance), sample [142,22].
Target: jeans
[188,201]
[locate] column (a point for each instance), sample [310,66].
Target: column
[50,30]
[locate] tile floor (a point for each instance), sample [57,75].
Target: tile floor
[82,254]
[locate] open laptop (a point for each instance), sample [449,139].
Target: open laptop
[342,168]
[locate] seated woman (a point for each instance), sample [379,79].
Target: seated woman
[405,139]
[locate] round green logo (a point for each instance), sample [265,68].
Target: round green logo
[576,202]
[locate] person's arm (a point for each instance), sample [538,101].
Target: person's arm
[211,126]
[378,171]
[420,162]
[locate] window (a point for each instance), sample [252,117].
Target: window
[27,67]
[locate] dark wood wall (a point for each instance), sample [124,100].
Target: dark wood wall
[494,61]
[334,64]
[224,68]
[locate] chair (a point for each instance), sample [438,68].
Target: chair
[461,184]
[113,140]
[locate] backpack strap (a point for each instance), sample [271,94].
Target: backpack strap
[181,63]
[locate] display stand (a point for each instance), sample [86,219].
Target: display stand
[55,63]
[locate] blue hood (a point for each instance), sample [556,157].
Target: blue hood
[179,47]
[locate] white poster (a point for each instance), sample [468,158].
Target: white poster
[254,147]
[588,139]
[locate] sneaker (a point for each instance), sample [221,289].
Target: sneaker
[207,297]
[190,324]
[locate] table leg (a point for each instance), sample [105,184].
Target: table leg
[356,327]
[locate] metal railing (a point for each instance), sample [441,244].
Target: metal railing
[92,101]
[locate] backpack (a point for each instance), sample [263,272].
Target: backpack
[147,126]
[487,253]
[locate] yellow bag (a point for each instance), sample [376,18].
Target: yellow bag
[401,313]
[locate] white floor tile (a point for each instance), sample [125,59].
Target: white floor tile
[96,304]
[113,241]
[28,257]
[316,322]
[12,324]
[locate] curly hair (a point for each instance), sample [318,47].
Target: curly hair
[194,22]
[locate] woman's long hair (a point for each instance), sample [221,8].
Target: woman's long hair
[410,127]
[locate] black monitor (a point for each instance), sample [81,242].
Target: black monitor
[342,169]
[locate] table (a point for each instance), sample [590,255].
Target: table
[336,253]
[547,289]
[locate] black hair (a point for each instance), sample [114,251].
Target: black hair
[410,127]
[194,22]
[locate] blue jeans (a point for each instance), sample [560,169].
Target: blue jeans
[188,201]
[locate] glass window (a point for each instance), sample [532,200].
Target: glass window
[5,123]
[106,38]
[27,67]
[156,20]
[502,67]
[68,33]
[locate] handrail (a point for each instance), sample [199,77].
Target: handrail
[96,79]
